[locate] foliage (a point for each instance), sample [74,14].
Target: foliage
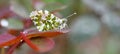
[95,29]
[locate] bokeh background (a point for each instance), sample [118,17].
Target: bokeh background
[95,29]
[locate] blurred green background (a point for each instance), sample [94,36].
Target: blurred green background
[95,29]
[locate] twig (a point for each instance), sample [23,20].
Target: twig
[10,51]
[29,42]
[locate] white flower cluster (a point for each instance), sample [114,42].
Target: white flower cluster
[45,21]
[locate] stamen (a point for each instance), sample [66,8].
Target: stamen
[71,15]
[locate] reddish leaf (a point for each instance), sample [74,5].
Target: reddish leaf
[29,42]
[33,32]
[8,39]
[45,34]
[44,44]
[13,32]
[38,44]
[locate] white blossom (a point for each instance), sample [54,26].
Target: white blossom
[45,21]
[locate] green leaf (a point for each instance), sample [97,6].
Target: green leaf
[15,24]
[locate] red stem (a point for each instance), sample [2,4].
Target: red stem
[10,51]
[29,42]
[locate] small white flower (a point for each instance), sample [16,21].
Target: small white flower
[60,21]
[35,22]
[43,17]
[57,20]
[46,13]
[41,27]
[41,12]
[50,21]
[34,13]
[52,16]
[45,21]
[48,26]
[35,18]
